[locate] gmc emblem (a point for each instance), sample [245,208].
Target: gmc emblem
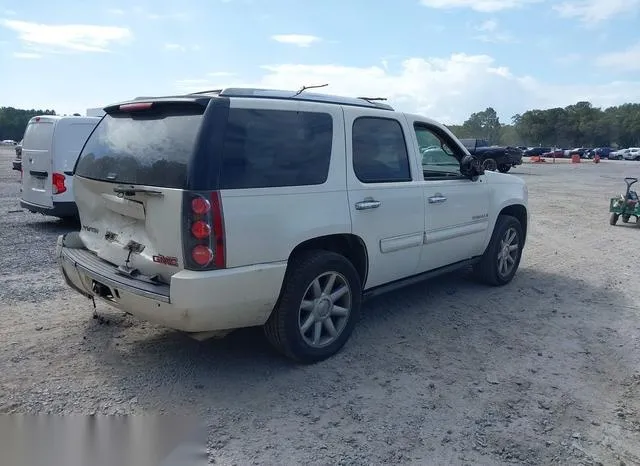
[172,261]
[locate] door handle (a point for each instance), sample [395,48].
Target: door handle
[437,199]
[368,203]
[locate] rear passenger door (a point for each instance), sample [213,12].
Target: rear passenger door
[385,200]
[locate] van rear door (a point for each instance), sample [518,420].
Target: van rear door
[37,163]
[69,137]
[128,186]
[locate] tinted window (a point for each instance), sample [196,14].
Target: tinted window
[38,136]
[150,148]
[271,148]
[379,151]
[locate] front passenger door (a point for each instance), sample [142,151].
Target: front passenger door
[456,207]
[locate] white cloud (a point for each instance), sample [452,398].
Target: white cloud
[568,59]
[27,55]
[490,32]
[301,40]
[447,89]
[489,25]
[176,47]
[181,48]
[596,11]
[484,6]
[151,15]
[626,60]
[77,37]
[168,16]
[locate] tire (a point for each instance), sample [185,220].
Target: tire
[488,270]
[490,165]
[504,168]
[625,218]
[284,327]
[614,219]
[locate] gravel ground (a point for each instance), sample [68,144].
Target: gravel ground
[543,371]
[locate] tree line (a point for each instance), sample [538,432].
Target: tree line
[578,125]
[13,121]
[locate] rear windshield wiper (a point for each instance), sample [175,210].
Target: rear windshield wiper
[132,191]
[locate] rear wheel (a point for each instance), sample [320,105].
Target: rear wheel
[614,219]
[490,165]
[625,218]
[318,307]
[501,259]
[504,168]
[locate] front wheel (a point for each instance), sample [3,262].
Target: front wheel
[318,307]
[501,259]
[504,168]
[614,219]
[490,165]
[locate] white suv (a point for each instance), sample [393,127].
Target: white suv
[244,207]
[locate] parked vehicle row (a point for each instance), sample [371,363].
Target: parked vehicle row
[632,153]
[220,210]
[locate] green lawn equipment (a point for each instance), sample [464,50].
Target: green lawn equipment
[626,206]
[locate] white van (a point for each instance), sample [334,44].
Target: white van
[50,149]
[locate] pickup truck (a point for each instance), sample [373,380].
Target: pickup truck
[493,158]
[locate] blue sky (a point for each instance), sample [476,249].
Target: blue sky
[442,58]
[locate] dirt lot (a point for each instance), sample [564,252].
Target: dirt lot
[543,371]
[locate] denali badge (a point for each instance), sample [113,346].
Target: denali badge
[172,261]
[90,229]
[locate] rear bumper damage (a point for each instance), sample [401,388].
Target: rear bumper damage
[193,302]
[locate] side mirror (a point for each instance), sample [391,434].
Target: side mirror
[470,166]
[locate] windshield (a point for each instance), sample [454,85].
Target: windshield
[150,148]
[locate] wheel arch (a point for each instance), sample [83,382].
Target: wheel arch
[518,211]
[348,245]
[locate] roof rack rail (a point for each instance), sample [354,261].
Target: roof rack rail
[372,102]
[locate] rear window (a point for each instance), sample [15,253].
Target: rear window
[38,136]
[150,148]
[272,148]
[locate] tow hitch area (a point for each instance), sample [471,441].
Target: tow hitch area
[102,291]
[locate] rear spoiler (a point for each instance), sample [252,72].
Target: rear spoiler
[136,102]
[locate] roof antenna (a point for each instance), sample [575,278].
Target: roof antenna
[212,91]
[372,99]
[304,88]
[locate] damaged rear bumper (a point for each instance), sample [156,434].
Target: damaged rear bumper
[193,302]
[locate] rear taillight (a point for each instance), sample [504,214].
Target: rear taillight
[203,231]
[57,180]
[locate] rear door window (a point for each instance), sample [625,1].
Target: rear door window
[150,148]
[38,136]
[380,151]
[276,148]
